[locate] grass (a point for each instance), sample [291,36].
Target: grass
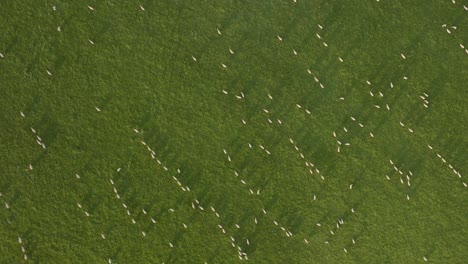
[140,73]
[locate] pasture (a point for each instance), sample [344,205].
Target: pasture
[233,131]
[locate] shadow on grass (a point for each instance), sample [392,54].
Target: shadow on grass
[107,99]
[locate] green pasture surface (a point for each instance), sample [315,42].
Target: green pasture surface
[141,74]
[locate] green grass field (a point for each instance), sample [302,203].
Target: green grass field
[58,67]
